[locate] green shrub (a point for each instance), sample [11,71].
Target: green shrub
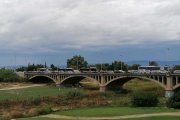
[9,76]
[74,94]
[35,100]
[44,110]
[32,112]
[5,103]
[107,94]
[144,99]
[121,101]
[174,101]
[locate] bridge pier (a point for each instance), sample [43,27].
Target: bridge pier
[102,88]
[169,93]
[58,85]
[169,87]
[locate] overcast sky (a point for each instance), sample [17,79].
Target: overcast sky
[100,30]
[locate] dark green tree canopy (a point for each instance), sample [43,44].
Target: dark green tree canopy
[77,62]
[53,67]
[34,67]
[176,67]
[119,65]
[153,63]
[134,67]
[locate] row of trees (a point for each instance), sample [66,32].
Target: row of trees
[77,62]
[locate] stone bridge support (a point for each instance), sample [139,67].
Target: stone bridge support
[169,87]
[102,87]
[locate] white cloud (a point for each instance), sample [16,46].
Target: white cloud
[48,25]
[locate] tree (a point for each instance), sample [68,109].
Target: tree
[153,63]
[176,67]
[77,62]
[102,66]
[119,65]
[134,67]
[144,99]
[174,101]
[53,67]
[34,67]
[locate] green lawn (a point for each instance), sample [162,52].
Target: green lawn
[145,118]
[157,118]
[38,118]
[27,93]
[112,111]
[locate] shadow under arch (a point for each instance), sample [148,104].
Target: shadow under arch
[73,80]
[42,79]
[122,80]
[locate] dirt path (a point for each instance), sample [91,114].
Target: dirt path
[111,118]
[20,87]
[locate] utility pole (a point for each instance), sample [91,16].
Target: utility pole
[77,64]
[168,49]
[121,61]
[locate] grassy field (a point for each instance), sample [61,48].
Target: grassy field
[158,118]
[26,93]
[145,118]
[145,85]
[112,111]
[39,118]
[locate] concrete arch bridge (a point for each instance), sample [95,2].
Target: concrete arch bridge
[169,82]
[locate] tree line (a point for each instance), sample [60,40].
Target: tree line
[77,62]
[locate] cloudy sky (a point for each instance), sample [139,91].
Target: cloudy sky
[100,30]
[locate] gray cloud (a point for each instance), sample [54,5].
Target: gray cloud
[51,25]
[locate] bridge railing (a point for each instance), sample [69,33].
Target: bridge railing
[110,74]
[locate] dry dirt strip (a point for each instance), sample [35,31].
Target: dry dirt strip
[21,87]
[111,118]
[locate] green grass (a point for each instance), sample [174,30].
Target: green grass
[38,118]
[157,118]
[26,93]
[112,111]
[145,85]
[145,118]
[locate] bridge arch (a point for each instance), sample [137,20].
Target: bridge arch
[75,79]
[122,80]
[176,87]
[42,76]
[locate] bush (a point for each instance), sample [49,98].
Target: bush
[174,101]
[121,101]
[144,99]
[9,76]
[16,114]
[5,103]
[107,94]
[33,112]
[74,94]
[45,110]
[5,116]
[36,101]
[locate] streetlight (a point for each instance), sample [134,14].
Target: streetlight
[168,49]
[121,61]
[77,64]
